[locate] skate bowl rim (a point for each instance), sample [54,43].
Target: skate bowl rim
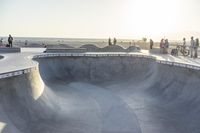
[33,57]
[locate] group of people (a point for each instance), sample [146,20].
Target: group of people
[114,41]
[10,41]
[194,44]
[164,46]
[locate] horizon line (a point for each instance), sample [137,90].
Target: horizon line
[94,38]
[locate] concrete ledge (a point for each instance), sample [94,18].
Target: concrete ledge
[40,50]
[10,50]
[16,73]
[184,65]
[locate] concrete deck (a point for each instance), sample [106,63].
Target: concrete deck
[99,93]
[13,62]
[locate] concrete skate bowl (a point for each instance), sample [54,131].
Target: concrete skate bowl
[101,95]
[90,48]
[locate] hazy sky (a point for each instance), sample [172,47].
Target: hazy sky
[98,18]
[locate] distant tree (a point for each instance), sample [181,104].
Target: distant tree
[144,39]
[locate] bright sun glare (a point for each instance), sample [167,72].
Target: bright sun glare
[153,18]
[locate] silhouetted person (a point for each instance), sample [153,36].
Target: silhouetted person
[184,42]
[151,44]
[192,43]
[109,42]
[196,48]
[26,42]
[162,46]
[10,41]
[114,41]
[1,42]
[166,46]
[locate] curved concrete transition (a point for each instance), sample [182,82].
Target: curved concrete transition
[101,95]
[133,49]
[91,47]
[34,45]
[59,46]
[1,57]
[113,48]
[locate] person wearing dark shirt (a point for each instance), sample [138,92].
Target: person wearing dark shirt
[109,42]
[115,41]
[151,44]
[196,48]
[10,41]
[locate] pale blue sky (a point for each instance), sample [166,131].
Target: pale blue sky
[98,18]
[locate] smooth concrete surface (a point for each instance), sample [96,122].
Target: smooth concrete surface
[35,50]
[107,94]
[9,50]
[16,61]
[22,49]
